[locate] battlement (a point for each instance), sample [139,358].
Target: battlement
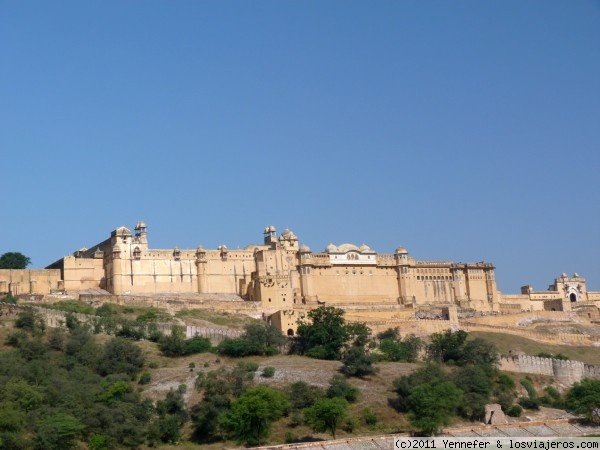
[565,371]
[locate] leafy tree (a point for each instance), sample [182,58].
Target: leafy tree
[252,414]
[173,344]
[258,339]
[172,414]
[477,385]
[14,260]
[432,405]
[479,352]
[394,349]
[357,363]
[432,373]
[216,400]
[324,336]
[326,414]
[504,391]
[447,346]
[58,431]
[24,395]
[120,356]
[584,398]
[264,338]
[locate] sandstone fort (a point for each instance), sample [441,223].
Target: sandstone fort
[282,279]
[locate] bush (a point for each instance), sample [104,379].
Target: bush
[155,336]
[14,338]
[350,424]
[369,416]
[303,395]
[248,366]
[295,419]
[339,387]
[145,378]
[30,321]
[10,299]
[515,411]
[529,403]
[197,344]
[153,364]
[268,372]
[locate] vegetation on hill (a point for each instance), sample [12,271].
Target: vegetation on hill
[67,388]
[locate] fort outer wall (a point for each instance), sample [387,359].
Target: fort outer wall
[27,281]
[566,372]
[57,319]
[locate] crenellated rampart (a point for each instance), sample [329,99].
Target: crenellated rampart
[565,371]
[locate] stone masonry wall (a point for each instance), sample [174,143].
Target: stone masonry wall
[566,372]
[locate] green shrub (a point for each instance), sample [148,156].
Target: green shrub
[339,387]
[268,372]
[145,378]
[153,364]
[295,419]
[155,336]
[197,344]
[349,424]
[10,299]
[369,416]
[290,437]
[15,338]
[529,403]
[515,411]
[248,366]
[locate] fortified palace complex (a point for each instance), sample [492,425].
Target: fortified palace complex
[284,279]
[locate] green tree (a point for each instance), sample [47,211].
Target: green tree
[431,373]
[326,414]
[258,339]
[432,405]
[324,335]
[479,352]
[477,384]
[120,356]
[58,431]
[584,398]
[173,344]
[251,415]
[447,346]
[357,363]
[14,260]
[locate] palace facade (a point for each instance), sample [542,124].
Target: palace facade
[283,277]
[279,273]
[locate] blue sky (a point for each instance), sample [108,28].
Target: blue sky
[462,130]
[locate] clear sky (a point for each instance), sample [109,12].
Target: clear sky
[463,130]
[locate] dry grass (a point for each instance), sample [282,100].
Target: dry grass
[205,317]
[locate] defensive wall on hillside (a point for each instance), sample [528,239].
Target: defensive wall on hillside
[565,371]
[57,319]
